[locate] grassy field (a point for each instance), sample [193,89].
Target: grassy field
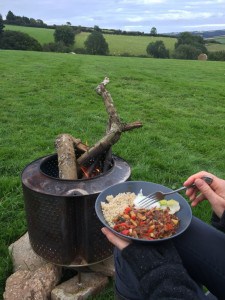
[181,105]
[42,35]
[220,39]
[215,47]
[133,45]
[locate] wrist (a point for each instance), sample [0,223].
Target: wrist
[218,222]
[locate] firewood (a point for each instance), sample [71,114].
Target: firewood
[69,164]
[66,157]
[114,129]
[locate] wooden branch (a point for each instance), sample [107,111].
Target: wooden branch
[65,143]
[115,126]
[66,157]
[79,145]
[108,101]
[132,126]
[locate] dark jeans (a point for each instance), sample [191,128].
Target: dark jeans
[202,250]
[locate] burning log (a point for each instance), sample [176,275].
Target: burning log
[66,157]
[66,145]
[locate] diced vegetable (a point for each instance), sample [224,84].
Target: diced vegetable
[146,224]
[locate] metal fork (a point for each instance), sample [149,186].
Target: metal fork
[157,196]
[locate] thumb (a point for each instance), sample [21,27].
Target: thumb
[205,189]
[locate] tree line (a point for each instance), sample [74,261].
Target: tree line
[23,21]
[12,19]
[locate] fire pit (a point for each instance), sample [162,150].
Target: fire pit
[62,224]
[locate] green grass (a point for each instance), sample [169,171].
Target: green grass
[215,47]
[133,45]
[220,39]
[181,105]
[42,35]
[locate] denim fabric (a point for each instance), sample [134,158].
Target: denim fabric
[202,250]
[126,284]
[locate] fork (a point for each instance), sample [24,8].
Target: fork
[157,196]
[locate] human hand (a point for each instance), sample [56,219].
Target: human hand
[114,239]
[214,193]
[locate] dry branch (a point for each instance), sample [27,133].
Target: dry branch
[113,132]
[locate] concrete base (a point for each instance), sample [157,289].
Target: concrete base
[80,287]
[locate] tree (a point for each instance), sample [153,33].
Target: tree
[10,17]
[64,34]
[1,25]
[153,31]
[185,51]
[195,42]
[96,44]
[157,49]
[97,28]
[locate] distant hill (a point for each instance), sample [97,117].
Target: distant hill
[205,34]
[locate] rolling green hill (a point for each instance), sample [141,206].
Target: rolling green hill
[133,45]
[42,35]
[118,44]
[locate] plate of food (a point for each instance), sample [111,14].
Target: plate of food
[117,208]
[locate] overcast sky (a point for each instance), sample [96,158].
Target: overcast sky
[130,15]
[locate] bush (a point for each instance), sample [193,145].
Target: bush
[57,47]
[80,51]
[184,51]
[157,50]
[217,55]
[15,40]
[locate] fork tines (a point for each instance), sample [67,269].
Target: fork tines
[147,201]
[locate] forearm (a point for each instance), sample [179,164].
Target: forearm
[217,222]
[160,277]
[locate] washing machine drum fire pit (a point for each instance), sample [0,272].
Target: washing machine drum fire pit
[62,224]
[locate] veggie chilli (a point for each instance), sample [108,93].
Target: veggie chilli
[148,224]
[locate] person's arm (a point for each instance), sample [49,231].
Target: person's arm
[215,194]
[160,272]
[158,268]
[217,222]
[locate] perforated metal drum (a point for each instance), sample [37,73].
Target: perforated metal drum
[61,219]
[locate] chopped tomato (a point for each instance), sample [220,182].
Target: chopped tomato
[125,232]
[127,210]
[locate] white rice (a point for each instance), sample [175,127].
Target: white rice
[116,205]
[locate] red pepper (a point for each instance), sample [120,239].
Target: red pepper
[125,232]
[116,226]
[127,210]
[168,227]
[133,218]
[142,223]
[124,224]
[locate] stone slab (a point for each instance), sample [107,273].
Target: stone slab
[80,287]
